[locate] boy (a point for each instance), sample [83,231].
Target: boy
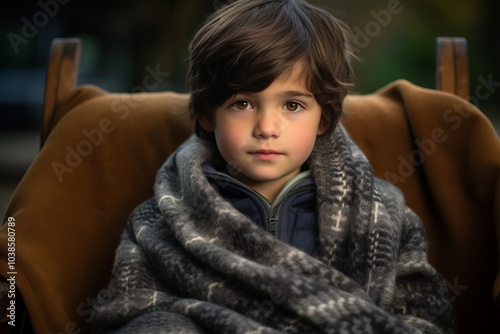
[269,219]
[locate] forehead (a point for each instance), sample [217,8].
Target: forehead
[296,75]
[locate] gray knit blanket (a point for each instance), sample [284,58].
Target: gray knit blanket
[188,262]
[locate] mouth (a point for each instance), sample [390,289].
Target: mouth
[265,155]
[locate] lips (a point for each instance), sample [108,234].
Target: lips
[265,155]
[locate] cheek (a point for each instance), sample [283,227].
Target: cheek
[304,141]
[230,139]
[303,135]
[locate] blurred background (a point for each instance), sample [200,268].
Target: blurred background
[123,40]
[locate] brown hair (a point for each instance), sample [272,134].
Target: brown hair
[247,44]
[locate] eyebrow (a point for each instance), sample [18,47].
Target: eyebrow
[286,94]
[294,93]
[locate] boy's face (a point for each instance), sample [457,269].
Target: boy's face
[267,136]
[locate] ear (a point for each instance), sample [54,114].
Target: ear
[323,126]
[206,124]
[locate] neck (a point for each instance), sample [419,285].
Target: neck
[268,189]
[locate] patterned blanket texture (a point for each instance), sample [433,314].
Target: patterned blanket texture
[188,262]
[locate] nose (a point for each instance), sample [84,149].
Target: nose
[267,125]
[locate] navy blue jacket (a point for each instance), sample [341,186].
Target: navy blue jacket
[292,217]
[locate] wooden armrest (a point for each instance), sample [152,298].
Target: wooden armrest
[60,79]
[452,67]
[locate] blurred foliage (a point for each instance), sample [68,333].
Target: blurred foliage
[405,46]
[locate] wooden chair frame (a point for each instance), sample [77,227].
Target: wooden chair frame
[61,78]
[452,66]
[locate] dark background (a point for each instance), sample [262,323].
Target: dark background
[122,39]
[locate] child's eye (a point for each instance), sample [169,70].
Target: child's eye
[293,106]
[241,105]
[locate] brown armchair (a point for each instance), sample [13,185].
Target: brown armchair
[68,211]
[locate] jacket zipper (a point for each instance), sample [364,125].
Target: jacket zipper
[248,190]
[274,216]
[273,213]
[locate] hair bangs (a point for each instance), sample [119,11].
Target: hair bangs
[267,47]
[247,45]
